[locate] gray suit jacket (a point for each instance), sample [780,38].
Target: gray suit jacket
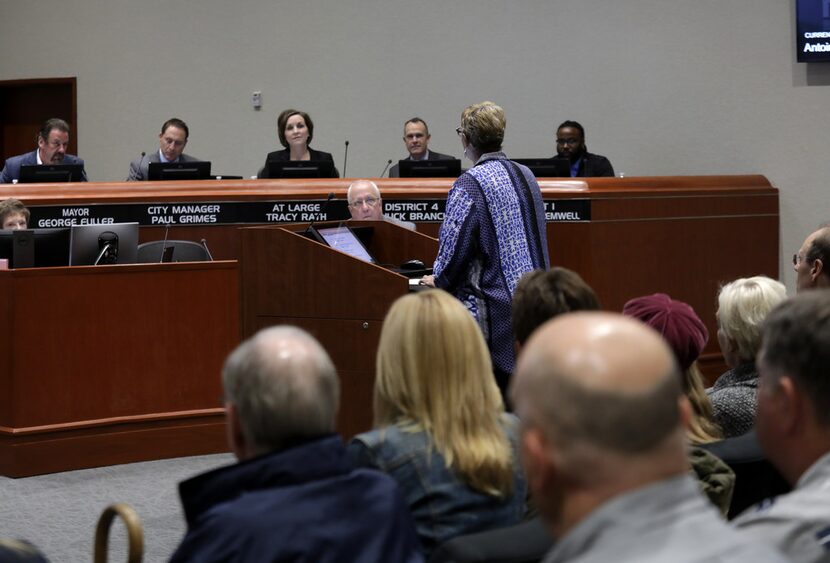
[140,166]
[393,172]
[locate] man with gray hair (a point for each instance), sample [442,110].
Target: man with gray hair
[794,428]
[812,261]
[603,445]
[293,496]
[365,204]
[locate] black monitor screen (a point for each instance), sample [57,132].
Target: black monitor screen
[34,173]
[812,31]
[194,170]
[429,168]
[547,167]
[300,169]
[35,247]
[115,243]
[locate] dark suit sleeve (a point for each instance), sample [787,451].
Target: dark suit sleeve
[326,156]
[76,160]
[135,174]
[439,156]
[598,167]
[5,175]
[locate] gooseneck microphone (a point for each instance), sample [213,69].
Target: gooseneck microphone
[205,246]
[140,162]
[164,242]
[345,160]
[323,210]
[385,168]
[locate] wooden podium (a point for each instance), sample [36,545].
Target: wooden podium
[287,278]
[113,364]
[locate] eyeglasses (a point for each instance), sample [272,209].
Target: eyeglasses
[796,259]
[567,141]
[459,130]
[370,201]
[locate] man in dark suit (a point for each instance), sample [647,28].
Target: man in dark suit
[52,142]
[416,138]
[172,140]
[570,144]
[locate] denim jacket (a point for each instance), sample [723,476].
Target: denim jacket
[443,505]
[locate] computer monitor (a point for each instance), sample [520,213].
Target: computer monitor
[547,167]
[193,170]
[43,173]
[344,239]
[114,243]
[35,248]
[300,169]
[429,168]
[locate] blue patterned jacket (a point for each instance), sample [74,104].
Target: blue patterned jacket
[493,233]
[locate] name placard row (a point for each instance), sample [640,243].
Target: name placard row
[259,212]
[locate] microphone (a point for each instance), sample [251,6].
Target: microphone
[345,159]
[385,168]
[322,211]
[140,162]
[164,242]
[204,244]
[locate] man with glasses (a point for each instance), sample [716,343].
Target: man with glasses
[52,142]
[810,259]
[172,140]
[365,204]
[570,145]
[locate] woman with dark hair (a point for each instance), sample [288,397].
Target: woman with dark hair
[493,233]
[296,130]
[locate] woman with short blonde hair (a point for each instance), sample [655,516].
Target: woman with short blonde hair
[441,430]
[742,307]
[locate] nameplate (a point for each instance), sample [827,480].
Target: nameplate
[263,212]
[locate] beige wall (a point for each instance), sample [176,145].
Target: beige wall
[663,88]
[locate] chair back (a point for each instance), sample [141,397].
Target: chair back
[183,251]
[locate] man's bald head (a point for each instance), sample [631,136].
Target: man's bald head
[601,382]
[283,386]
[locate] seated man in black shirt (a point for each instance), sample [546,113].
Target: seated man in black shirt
[570,144]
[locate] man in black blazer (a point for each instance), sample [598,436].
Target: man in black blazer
[416,138]
[570,144]
[172,140]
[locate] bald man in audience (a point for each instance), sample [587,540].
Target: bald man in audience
[365,204]
[793,426]
[812,261]
[294,495]
[604,448]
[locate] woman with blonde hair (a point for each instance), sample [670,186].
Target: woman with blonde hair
[742,307]
[441,430]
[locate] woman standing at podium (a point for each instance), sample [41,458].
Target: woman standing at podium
[493,232]
[295,130]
